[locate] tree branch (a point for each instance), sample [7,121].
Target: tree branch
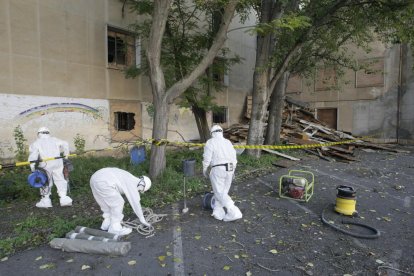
[175,90]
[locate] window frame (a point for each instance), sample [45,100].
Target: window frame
[132,48]
[224,114]
[128,117]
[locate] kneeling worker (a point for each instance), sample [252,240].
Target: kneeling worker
[108,185]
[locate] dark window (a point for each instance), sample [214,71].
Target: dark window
[124,121]
[121,48]
[220,115]
[219,70]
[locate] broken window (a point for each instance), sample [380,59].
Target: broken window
[220,115]
[121,48]
[124,121]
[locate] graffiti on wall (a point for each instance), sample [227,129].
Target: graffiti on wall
[41,110]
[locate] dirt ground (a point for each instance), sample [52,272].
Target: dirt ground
[276,236]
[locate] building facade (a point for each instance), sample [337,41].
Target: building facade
[62,67]
[377,101]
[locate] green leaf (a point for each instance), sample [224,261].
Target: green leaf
[226,267]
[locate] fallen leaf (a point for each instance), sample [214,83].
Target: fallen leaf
[70,261]
[248,273]
[244,255]
[372,210]
[85,267]
[132,262]
[304,225]
[386,218]
[161,258]
[226,267]
[273,251]
[38,258]
[178,229]
[310,264]
[47,266]
[169,253]
[4,259]
[177,260]
[378,261]
[108,266]
[236,256]
[162,265]
[197,237]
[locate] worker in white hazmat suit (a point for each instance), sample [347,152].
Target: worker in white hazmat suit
[47,146]
[108,185]
[221,156]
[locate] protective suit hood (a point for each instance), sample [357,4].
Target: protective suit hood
[216,131]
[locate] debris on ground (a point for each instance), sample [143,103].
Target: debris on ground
[301,127]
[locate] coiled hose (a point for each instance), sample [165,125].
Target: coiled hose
[375,231]
[150,217]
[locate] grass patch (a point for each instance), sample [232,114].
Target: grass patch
[26,226]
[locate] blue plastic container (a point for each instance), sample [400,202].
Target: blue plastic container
[137,155]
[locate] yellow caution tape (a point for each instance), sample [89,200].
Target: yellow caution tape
[163,142]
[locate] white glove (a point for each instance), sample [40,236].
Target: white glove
[205,173]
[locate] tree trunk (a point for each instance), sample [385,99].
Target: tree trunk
[164,98]
[276,106]
[200,116]
[161,113]
[260,95]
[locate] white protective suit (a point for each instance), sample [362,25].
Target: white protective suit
[47,146]
[221,156]
[108,185]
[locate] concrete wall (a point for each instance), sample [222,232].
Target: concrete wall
[241,75]
[373,109]
[406,121]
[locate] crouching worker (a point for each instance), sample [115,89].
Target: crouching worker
[108,185]
[221,156]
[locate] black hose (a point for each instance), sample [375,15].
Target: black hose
[375,231]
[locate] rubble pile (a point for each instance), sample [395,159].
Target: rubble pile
[301,127]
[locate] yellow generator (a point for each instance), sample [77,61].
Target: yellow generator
[297,185]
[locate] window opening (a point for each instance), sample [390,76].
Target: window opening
[124,121]
[220,115]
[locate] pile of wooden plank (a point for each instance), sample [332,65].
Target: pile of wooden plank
[301,127]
